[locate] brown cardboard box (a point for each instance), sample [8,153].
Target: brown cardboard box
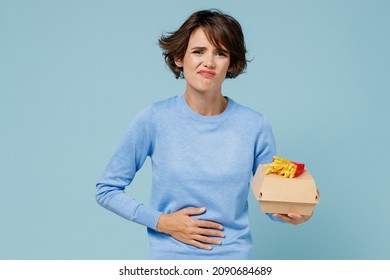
[277,194]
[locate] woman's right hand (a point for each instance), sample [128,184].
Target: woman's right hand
[181,226]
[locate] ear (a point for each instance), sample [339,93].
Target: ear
[230,71]
[178,62]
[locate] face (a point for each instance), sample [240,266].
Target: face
[204,65]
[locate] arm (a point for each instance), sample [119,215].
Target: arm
[129,157]
[265,150]
[137,144]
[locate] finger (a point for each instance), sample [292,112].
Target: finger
[192,211]
[207,240]
[208,224]
[299,218]
[200,245]
[294,216]
[209,232]
[283,217]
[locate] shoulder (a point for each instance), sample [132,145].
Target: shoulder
[166,104]
[160,107]
[248,115]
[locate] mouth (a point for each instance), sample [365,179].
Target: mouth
[206,73]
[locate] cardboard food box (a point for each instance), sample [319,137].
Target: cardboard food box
[277,194]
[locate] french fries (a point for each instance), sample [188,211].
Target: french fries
[284,167]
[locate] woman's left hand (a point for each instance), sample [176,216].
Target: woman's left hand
[292,218]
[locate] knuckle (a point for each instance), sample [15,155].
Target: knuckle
[188,230]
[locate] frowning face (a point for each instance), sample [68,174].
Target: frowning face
[204,65]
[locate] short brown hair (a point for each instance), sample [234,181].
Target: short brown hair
[222,30]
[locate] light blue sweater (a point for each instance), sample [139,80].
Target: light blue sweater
[197,161]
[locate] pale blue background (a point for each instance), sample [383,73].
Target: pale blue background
[73,74]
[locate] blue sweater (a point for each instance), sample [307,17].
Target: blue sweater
[197,161]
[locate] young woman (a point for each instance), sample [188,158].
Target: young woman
[204,148]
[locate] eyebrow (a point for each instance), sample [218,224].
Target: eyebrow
[204,48]
[198,48]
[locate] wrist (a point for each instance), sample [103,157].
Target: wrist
[160,227]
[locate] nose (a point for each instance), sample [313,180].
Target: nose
[209,61]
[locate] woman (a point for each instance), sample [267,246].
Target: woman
[203,146]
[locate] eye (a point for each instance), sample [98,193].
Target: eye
[197,52]
[222,53]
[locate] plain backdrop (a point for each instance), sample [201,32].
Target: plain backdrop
[73,74]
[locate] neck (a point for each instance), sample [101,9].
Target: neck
[206,105]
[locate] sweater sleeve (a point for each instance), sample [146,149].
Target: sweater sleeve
[128,158]
[265,147]
[265,150]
